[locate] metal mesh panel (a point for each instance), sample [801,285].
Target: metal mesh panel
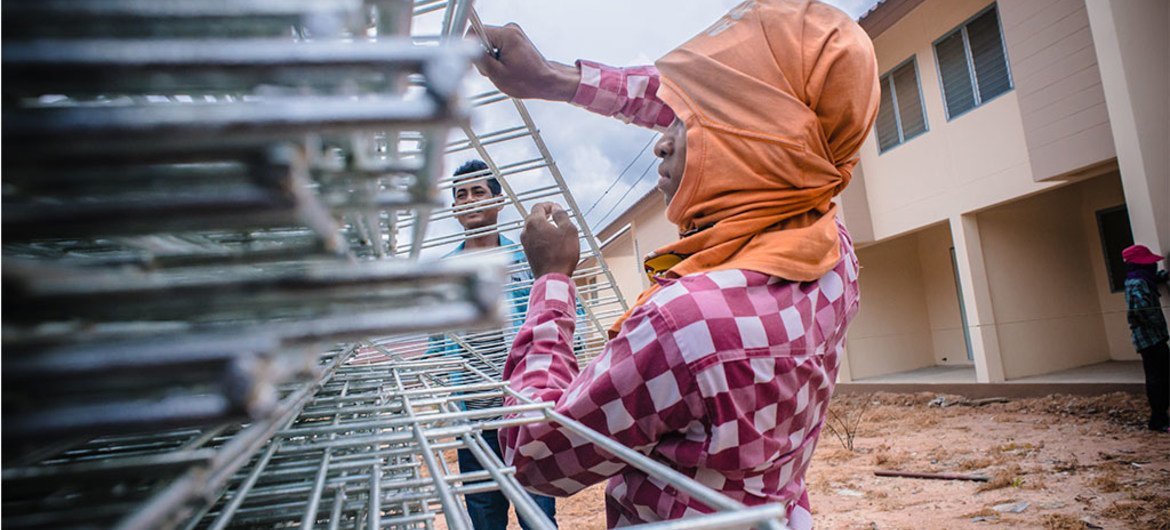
[223,305]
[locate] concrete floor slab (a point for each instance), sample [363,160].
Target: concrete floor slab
[1107,372]
[1096,379]
[931,375]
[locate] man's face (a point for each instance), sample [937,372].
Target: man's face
[466,196]
[672,149]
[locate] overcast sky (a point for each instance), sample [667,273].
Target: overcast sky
[591,150]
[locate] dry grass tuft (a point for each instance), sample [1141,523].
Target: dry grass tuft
[1106,483]
[835,455]
[884,458]
[1060,521]
[1128,511]
[986,512]
[1010,476]
[971,464]
[1144,511]
[1118,408]
[1014,448]
[939,454]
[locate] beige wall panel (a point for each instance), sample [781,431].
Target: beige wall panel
[1098,194]
[1024,11]
[1133,45]
[971,162]
[891,332]
[652,229]
[1042,285]
[1075,84]
[942,299]
[1067,125]
[625,266]
[1045,346]
[854,212]
[1073,107]
[1061,99]
[1051,66]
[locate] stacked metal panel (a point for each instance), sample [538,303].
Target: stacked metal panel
[502,134]
[195,198]
[216,315]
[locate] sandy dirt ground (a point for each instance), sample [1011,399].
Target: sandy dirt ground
[1057,462]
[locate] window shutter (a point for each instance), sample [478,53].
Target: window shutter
[956,77]
[909,101]
[887,124]
[987,52]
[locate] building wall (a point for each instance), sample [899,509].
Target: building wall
[1133,47]
[649,230]
[854,208]
[651,226]
[892,331]
[1058,85]
[625,265]
[1047,310]
[1099,194]
[948,347]
[973,161]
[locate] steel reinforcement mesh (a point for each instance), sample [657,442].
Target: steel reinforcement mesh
[224,300]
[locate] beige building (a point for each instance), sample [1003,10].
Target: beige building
[1019,146]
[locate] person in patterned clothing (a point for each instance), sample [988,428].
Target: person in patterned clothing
[1147,325]
[723,369]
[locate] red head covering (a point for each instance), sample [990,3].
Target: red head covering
[1139,254]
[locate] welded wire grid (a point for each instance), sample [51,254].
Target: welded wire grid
[198,203]
[189,223]
[374,450]
[503,135]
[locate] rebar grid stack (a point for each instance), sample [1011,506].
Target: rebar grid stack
[199,201]
[209,209]
[503,134]
[374,450]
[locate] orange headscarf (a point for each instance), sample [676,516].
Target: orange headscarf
[777,98]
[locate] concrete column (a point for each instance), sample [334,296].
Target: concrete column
[1133,53]
[977,299]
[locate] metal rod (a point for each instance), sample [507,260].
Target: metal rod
[375,512]
[338,504]
[450,504]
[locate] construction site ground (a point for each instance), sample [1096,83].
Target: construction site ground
[1056,462]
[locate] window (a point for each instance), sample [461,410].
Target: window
[900,115]
[1113,224]
[972,63]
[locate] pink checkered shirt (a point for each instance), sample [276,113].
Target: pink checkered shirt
[725,376]
[629,94]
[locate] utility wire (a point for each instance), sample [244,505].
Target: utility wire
[627,193]
[619,177]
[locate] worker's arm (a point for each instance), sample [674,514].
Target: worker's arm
[521,71]
[638,390]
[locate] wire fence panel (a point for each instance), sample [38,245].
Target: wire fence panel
[226,299]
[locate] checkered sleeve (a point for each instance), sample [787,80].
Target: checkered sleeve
[629,94]
[638,389]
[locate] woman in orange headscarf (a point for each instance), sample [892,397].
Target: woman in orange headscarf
[724,368]
[775,108]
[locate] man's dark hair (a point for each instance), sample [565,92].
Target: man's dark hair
[477,166]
